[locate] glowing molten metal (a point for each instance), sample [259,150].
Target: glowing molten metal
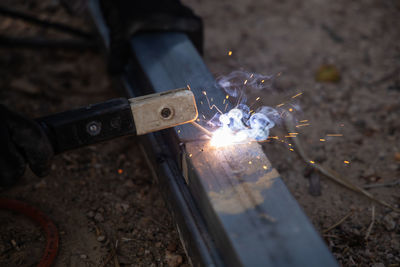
[239,126]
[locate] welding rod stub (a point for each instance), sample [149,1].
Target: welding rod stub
[159,111]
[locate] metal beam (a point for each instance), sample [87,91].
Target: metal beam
[230,204]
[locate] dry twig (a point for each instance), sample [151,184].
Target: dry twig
[290,126]
[112,255]
[114,249]
[389,184]
[372,223]
[339,222]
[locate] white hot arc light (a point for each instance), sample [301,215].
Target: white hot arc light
[238,126]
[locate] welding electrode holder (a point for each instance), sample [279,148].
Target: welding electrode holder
[88,125]
[117,117]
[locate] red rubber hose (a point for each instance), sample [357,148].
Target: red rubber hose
[47,225]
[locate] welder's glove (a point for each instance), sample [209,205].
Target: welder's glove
[22,142]
[126,18]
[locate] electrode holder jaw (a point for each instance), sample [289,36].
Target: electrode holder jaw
[163,110]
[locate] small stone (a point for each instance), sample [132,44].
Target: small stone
[173,260]
[101,238]
[15,245]
[395,215]
[393,167]
[90,214]
[41,184]
[125,206]
[171,247]
[368,253]
[83,256]
[122,207]
[124,260]
[327,73]
[382,155]
[98,217]
[369,172]
[25,86]
[389,222]
[129,183]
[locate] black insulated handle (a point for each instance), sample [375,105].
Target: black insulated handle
[88,125]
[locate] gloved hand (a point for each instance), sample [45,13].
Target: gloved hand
[22,142]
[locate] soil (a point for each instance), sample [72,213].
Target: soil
[104,194]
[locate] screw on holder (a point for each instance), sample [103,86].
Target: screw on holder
[166,113]
[93,128]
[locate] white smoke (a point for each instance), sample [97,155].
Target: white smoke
[240,124]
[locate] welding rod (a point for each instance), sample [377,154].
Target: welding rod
[118,117]
[201,128]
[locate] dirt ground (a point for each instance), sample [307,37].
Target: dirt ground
[104,193]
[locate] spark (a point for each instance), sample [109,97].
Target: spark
[280,105]
[120,171]
[227,96]
[303,121]
[322,140]
[312,162]
[209,104]
[346,162]
[188,87]
[290,109]
[274,137]
[291,135]
[250,162]
[291,149]
[258,98]
[251,76]
[302,125]
[190,155]
[290,144]
[299,94]
[245,82]
[204,117]
[230,53]
[262,81]
[265,167]
[179,131]
[201,102]
[334,135]
[223,102]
